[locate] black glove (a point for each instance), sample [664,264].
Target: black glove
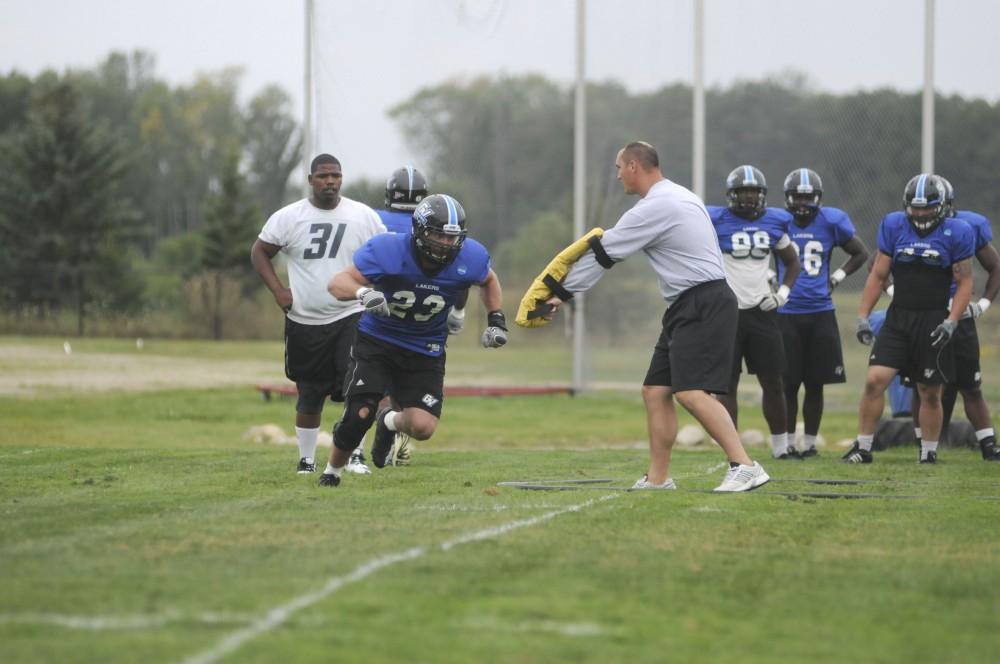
[496,330]
[942,333]
[864,332]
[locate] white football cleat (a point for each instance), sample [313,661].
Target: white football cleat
[644,483]
[743,478]
[356,464]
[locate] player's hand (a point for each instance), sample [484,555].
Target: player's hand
[942,333]
[976,309]
[835,278]
[456,320]
[496,330]
[775,300]
[864,332]
[373,301]
[284,299]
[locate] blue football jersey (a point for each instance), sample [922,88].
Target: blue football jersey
[921,266]
[396,222]
[814,244]
[418,303]
[745,238]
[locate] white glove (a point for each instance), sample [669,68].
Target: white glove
[976,309]
[775,300]
[835,278]
[373,301]
[456,320]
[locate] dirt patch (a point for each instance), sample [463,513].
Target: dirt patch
[33,371]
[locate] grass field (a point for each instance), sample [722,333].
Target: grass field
[138,524]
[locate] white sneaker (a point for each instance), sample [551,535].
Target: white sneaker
[356,464]
[644,483]
[743,478]
[402,452]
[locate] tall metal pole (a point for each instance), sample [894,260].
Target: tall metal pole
[927,133]
[698,110]
[307,117]
[579,200]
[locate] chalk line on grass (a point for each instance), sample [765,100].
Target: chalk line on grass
[280,614]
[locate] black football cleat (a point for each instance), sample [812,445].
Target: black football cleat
[384,440]
[930,458]
[329,479]
[306,466]
[988,446]
[857,455]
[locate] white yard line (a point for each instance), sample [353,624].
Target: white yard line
[280,614]
[108,623]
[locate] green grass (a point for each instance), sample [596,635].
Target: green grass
[143,526]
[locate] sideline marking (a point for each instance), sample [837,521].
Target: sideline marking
[280,614]
[108,623]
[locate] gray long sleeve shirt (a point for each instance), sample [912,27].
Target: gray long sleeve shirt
[671,226]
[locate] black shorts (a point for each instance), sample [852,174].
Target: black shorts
[965,351]
[813,354]
[904,343]
[319,354]
[414,380]
[758,341]
[695,348]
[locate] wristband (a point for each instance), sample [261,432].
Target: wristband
[457,313]
[360,293]
[783,291]
[984,304]
[839,275]
[496,319]
[890,290]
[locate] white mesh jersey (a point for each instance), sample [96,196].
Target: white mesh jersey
[318,244]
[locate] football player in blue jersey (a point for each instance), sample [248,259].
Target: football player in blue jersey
[749,233]
[813,354]
[924,251]
[967,378]
[404,190]
[406,284]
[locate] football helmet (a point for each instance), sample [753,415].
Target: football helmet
[803,193]
[949,197]
[923,202]
[746,191]
[404,189]
[439,229]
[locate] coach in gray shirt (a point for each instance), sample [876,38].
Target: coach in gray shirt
[693,356]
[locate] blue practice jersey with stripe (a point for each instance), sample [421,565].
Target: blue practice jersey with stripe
[814,244]
[745,238]
[921,266]
[418,303]
[396,222]
[980,227]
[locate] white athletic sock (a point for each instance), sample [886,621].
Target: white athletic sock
[390,420]
[983,434]
[779,443]
[330,470]
[927,446]
[917,433]
[865,441]
[808,442]
[307,442]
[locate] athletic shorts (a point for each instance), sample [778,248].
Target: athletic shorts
[904,343]
[319,354]
[813,354]
[414,380]
[965,350]
[758,341]
[695,348]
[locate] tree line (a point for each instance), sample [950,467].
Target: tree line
[125,198]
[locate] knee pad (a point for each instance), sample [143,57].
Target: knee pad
[312,396]
[359,414]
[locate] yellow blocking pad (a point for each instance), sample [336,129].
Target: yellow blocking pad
[528,313]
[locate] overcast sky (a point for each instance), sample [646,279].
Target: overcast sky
[374,53]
